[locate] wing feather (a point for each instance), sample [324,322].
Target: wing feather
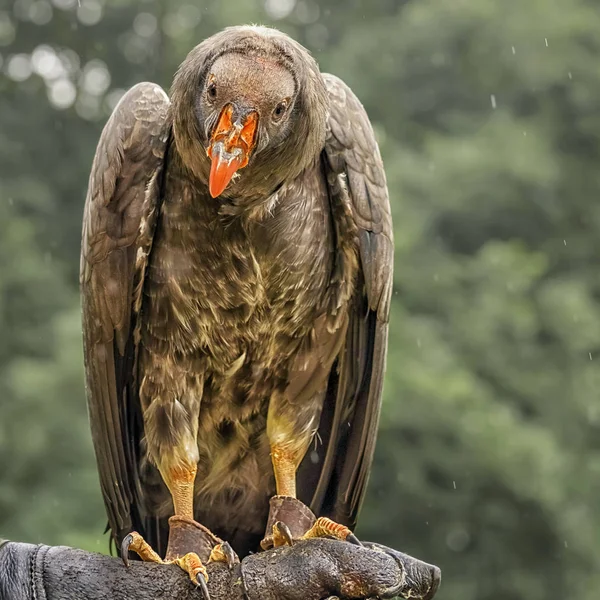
[118,226]
[356,176]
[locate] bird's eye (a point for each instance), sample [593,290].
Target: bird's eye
[279,110]
[211,90]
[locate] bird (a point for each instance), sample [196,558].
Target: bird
[236,278]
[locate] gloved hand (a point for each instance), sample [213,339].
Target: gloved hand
[309,570]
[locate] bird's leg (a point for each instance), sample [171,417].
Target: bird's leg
[284,466]
[180,481]
[285,463]
[184,531]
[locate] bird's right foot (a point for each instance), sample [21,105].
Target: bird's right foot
[190,562]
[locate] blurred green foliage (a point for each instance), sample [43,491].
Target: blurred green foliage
[487,114]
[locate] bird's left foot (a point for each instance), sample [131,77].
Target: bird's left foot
[325,527]
[322,528]
[291,520]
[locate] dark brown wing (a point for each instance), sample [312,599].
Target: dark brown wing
[118,226]
[350,419]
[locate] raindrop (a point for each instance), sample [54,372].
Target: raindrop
[590,355]
[514,51]
[493,100]
[570,75]
[565,242]
[454,484]
[566,545]
[546,40]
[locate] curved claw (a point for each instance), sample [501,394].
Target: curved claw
[353,539]
[282,534]
[229,554]
[223,552]
[127,541]
[200,581]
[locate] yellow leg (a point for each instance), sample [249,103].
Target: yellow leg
[180,481]
[284,466]
[285,463]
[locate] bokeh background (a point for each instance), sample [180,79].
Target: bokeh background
[488,117]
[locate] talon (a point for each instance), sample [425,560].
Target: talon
[193,566]
[282,535]
[134,542]
[127,541]
[224,553]
[201,583]
[353,539]
[230,555]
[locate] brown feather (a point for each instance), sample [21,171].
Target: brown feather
[213,327]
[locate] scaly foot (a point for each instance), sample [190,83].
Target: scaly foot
[325,527]
[322,528]
[190,562]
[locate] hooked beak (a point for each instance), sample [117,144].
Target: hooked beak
[230,147]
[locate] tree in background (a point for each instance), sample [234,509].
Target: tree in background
[488,459]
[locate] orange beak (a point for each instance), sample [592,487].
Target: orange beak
[230,148]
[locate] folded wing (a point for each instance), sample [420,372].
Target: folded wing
[350,419]
[118,226]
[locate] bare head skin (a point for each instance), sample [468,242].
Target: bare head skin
[249,111]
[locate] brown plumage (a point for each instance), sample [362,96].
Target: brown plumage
[218,330]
